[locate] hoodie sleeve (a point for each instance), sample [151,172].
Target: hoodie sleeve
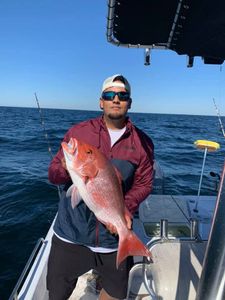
[143,178]
[56,173]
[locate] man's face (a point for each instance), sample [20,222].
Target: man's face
[115,109]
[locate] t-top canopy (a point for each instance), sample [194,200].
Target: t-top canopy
[194,28]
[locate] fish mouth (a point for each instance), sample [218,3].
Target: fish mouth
[71,147]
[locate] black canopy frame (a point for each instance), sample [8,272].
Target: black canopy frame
[188,27]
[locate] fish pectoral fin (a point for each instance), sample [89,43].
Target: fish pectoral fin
[74,194]
[89,171]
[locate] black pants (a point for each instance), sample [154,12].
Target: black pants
[69,261]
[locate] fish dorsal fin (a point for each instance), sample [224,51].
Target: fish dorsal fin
[118,175]
[74,194]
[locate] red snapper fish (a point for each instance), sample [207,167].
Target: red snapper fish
[98,183]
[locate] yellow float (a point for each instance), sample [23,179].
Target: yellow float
[206,146]
[209,145]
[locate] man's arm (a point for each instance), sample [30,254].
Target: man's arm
[57,172]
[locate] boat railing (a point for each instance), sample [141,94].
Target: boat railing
[15,292]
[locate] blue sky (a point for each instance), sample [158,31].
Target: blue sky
[58,49]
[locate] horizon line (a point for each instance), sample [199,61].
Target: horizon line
[132,112]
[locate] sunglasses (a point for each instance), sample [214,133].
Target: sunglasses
[109,96]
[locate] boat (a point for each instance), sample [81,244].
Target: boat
[168,225]
[184,233]
[169,232]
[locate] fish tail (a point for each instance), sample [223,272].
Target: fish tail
[130,245]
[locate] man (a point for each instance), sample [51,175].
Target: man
[81,242]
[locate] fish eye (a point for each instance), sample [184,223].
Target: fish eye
[89,151]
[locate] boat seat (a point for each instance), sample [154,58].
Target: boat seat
[174,274]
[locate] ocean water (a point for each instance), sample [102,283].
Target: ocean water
[28,202]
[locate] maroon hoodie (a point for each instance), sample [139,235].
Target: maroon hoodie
[133,146]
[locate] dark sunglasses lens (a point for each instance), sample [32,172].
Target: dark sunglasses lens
[123,96]
[109,96]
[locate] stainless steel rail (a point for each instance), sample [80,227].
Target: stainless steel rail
[15,292]
[111,39]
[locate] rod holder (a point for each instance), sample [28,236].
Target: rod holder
[164,228]
[194,228]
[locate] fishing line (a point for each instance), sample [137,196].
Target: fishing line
[218,115]
[180,208]
[46,135]
[43,126]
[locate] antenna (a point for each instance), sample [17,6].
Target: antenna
[45,134]
[218,114]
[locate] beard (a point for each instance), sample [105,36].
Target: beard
[115,116]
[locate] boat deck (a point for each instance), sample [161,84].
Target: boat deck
[187,257]
[178,210]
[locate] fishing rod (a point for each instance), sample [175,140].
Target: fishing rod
[43,126]
[46,136]
[218,115]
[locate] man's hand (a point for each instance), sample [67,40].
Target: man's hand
[112,229]
[128,220]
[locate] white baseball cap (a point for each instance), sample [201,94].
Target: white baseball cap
[113,81]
